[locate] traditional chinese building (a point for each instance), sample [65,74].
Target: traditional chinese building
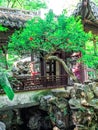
[13,19]
[50,73]
[88,11]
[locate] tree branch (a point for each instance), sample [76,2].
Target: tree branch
[64,65]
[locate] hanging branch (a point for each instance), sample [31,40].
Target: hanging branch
[19,3]
[64,65]
[8,3]
[13,3]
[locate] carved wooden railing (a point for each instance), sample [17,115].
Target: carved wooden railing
[29,83]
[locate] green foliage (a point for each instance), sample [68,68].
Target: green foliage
[96,1]
[2,58]
[24,4]
[90,56]
[5,85]
[35,4]
[50,34]
[3,28]
[2,2]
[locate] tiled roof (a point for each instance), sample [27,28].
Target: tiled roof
[15,17]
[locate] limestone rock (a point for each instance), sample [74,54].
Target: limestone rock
[84,106]
[61,93]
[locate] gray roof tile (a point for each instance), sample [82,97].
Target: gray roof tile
[15,17]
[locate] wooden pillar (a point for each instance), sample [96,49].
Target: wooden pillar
[5,52]
[32,55]
[43,65]
[6,59]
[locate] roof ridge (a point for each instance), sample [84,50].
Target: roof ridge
[15,9]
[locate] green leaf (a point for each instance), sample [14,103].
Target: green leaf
[3,28]
[9,92]
[5,85]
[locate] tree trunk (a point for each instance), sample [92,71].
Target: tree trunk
[64,65]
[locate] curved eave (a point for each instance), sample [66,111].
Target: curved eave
[16,18]
[91,26]
[94,23]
